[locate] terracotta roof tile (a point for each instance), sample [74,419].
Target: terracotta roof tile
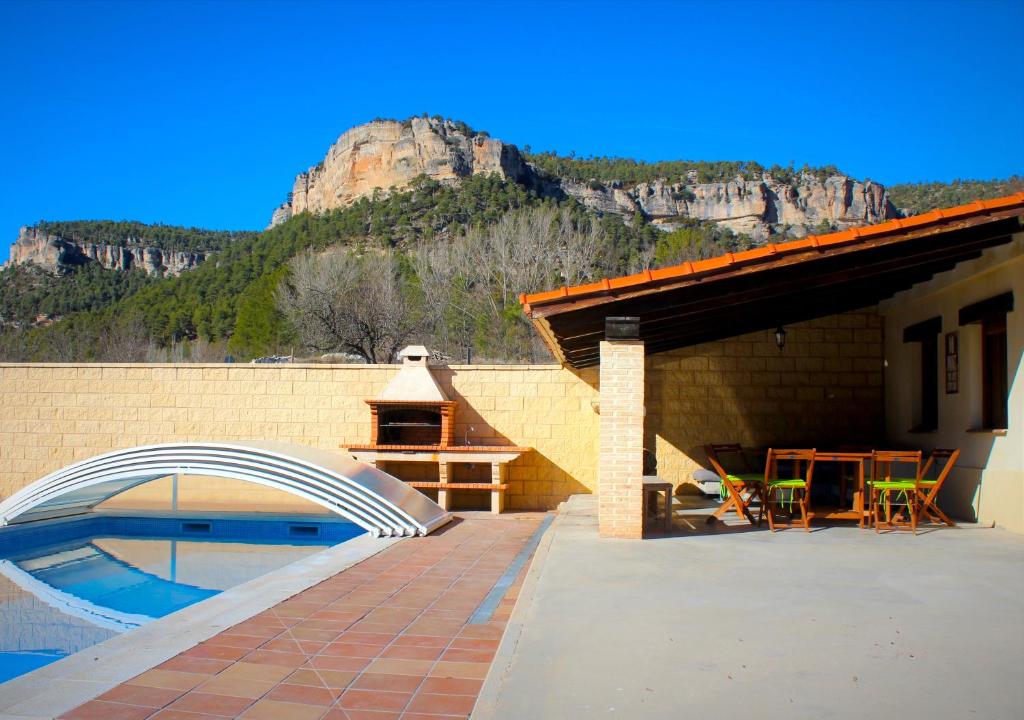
[665,273]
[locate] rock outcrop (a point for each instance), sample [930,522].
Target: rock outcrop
[387,154]
[753,207]
[57,254]
[282,213]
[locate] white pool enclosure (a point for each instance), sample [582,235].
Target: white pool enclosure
[360,493]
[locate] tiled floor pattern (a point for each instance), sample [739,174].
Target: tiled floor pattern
[387,639]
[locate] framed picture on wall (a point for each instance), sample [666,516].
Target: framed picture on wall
[952,364]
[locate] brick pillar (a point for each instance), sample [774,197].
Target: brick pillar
[621,459]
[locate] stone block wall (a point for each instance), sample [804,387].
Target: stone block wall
[823,389]
[52,415]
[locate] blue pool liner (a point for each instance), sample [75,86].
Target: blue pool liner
[19,538]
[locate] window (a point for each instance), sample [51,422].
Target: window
[991,315]
[994,371]
[926,334]
[930,383]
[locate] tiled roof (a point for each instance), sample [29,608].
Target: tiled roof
[772,251]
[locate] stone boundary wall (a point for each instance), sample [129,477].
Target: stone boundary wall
[54,414]
[825,387]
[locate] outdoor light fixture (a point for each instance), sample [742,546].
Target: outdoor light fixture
[622,328]
[780,337]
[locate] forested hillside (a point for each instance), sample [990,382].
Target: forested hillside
[29,295]
[922,197]
[459,256]
[630,172]
[123,232]
[437,262]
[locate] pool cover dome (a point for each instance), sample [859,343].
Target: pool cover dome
[364,495]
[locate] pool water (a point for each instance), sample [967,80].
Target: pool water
[59,598]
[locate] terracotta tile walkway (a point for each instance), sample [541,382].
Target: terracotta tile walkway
[386,639]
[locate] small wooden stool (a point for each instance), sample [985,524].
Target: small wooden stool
[652,486]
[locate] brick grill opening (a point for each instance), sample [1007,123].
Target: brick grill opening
[412,423]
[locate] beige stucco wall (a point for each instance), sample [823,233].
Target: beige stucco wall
[988,482]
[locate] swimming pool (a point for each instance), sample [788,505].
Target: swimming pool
[68,585]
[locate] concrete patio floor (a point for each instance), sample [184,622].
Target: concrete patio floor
[838,623]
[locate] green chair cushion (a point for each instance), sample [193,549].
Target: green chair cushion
[746,478]
[892,484]
[787,483]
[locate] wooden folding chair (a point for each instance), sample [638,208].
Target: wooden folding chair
[736,483]
[798,483]
[884,482]
[928,490]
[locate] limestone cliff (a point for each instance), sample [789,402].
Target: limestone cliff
[57,254]
[387,154]
[752,207]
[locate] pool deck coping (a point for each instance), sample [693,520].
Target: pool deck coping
[63,685]
[502,663]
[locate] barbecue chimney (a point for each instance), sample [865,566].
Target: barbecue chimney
[413,412]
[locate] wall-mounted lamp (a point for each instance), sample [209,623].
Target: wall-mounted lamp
[622,328]
[780,337]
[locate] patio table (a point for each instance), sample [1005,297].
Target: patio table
[857,512]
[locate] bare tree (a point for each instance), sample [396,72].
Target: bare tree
[64,342]
[644,260]
[340,302]
[472,283]
[173,353]
[19,345]
[128,340]
[578,250]
[449,310]
[533,249]
[201,350]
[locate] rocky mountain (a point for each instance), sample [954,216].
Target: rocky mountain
[57,254]
[386,155]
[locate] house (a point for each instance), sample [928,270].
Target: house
[902,334]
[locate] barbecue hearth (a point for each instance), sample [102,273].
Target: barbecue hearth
[413,421]
[406,423]
[413,411]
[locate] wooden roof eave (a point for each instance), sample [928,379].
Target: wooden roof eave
[568,302]
[673,316]
[548,336]
[882,272]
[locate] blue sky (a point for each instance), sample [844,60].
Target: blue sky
[202,113]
